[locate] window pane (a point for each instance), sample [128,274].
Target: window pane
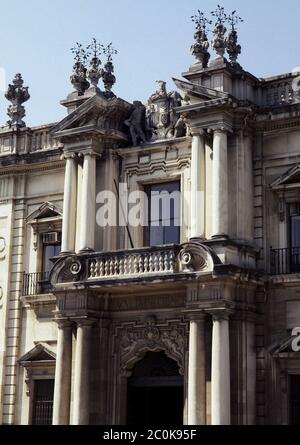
[295,231]
[163,213]
[50,251]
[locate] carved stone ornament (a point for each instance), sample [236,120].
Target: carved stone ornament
[219,41]
[67,270]
[200,48]
[79,76]
[136,341]
[232,46]
[195,257]
[17,95]
[2,248]
[109,79]
[95,71]
[162,120]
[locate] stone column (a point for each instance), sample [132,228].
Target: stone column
[70,200]
[81,374]
[220,184]
[220,373]
[63,371]
[197,185]
[197,377]
[88,203]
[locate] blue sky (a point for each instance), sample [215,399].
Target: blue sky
[153,38]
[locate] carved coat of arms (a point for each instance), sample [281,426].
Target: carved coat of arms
[161,117]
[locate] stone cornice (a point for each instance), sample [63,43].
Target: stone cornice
[22,169]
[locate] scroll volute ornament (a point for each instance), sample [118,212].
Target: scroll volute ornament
[195,257]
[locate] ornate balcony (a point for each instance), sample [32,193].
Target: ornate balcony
[112,269]
[285,261]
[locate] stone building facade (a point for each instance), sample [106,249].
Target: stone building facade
[123,324]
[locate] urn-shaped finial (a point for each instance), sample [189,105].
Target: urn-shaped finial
[79,76]
[17,95]
[219,41]
[95,71]
[200,48]
[232,46]
[108,77]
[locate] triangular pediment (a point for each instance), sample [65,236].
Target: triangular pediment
[284,349]
[288,179]
[199,92]
[97,115]
[40,353]
[46,210]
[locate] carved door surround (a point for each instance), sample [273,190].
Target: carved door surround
[132,341]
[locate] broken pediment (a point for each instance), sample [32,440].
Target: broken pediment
[284,349]
[97,115]
[42,352]
[290,179]
[45,211]
[199,92]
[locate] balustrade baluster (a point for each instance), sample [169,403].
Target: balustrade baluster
[146,263]
[141,264]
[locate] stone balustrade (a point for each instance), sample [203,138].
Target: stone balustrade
[27,140]
[137,262]
[281,91]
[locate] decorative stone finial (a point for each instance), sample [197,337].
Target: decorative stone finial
[95,72]
[79,76]
[200,48]
[232,46]
[17,95]
[219,41]
[108,77]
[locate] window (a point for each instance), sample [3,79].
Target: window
[163,214]
[295,399]
[43,402]
[295,237]
[51,248]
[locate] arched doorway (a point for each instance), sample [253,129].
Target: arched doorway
[155,392]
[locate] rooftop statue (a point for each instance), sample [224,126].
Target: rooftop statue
[137,123]
[17,95]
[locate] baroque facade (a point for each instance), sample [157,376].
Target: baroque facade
[122,324]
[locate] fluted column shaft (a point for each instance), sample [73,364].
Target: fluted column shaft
[88,203]
[197,186]
[70,201]
[81,374]
[220,184]
[220,373]
[196,376]
[63,371]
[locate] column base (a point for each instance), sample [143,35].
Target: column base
[66,252]
[86,250]
[197,240]
[221,237]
